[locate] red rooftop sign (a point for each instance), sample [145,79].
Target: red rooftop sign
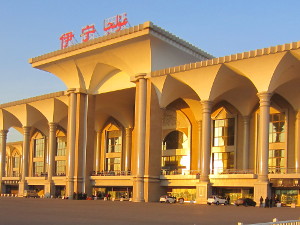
[111,25]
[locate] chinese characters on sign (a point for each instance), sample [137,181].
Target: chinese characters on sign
[111,25]
[66,39]
[88,32]
[116,23]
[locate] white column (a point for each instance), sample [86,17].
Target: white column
[246,143]
[297,142]
[128,144]
[71,136]
[97,155]
[3,137]
[199,123]
[141,95]
[25,156]
[206,140]
[264,120]
[52,150]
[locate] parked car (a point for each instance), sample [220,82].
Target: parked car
[167,199]
[31,194]
[245,202]
[217,200]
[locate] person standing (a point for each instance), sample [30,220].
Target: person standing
[261,201]
[267,202]
[228,199]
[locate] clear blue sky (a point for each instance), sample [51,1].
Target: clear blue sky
[32,27]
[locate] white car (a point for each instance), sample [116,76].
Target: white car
[167,199]
[216,200]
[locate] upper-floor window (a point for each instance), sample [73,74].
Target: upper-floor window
[61,143]
[223,132]
[174,140]
[16,161]
[114,141]
[277,128]
[39,147]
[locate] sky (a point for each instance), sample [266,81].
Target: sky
[220,27]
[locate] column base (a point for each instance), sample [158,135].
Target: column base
[22,187]
[49,189]
[261,189]
[203,191]
[2,188]
[138,189]
[70,188]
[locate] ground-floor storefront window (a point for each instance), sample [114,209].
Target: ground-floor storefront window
[60,190]
[287,196]
[39,189]
[189,194]
[12,189]
[233,193]
[113,193]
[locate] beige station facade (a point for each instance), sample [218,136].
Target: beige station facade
[146,113]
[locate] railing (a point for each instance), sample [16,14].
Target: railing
[276,222]
[232,171]
[40,175]
[284,171]
[111,173]
[180,172]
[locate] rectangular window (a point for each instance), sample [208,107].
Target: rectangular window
[60,167]
[61,146]
[277,128]
[174,162]
[277,160]
[113,164]
[39,145]
[114,141]
[223,132]
[16,162]
[38,168]
[222,161]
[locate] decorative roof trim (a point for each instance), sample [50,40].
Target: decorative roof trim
[227,59]
[147,25]
[33,99]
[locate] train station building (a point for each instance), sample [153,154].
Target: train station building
[145,113]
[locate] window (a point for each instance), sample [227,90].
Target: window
[222,161]
[61,146]
[113,164]
[276,160]
[223,132]
[175,155]
[39,148]
[38,154]
[60,167]
[114,141]
[38,168]
[277,128]
[173,162]
[16,162]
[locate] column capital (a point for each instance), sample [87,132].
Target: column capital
[246,119]
[264,97]
[128,129]
[3,132]
[26,129]
[206,106]
[298,114]
[199,123]
[138,76]
[75,91]
[52,125]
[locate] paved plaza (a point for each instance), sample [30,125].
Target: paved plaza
[21,211]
